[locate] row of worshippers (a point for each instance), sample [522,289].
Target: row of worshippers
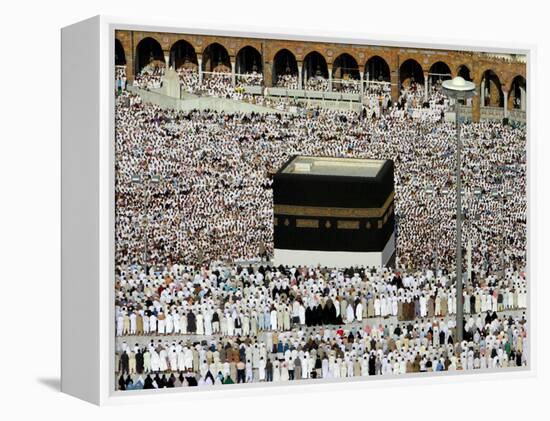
[219,306]
[216,84]
[489,342]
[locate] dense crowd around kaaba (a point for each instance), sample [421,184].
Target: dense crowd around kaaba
[214,197]
[194,199]
[230,300]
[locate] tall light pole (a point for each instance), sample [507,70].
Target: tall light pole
[458,89]
[436,224]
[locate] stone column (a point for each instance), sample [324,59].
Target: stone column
[476,102]
[522,98]
[167,58]
[482,93]
[505,104]
[129,68]
[362,86]
[199,61]
[233,76]
[426,79]
[330,78]
[299,76]
[394,79]
[268,75]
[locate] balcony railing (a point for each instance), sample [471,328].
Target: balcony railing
[517,116]
[491,113]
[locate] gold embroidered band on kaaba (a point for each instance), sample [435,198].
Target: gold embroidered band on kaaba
[335,212]
[307,223]
[347,225]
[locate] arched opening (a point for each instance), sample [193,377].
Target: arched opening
[285,69]
[249,60]
[345,73]
[249,66]
[183,59]
[377,70]
[120,66]
[315,72]
[410,74]
[215,59]
[438,72]
[518,94]
[491,90]
[149,56]
[183,56]
[464,72]
[377,76]
[120,56]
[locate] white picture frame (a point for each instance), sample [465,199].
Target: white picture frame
[88,214]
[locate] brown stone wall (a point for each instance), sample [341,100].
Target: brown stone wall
[477,63]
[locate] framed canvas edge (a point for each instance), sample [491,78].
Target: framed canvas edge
[108,395]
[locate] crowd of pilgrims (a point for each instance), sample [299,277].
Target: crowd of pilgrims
[214,198]
[317,83]
[490,341]
[219,83]
[213,202]
[413,100]
[234,300]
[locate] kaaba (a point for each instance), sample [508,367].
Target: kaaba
[335,212]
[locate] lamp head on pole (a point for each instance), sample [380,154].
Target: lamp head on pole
[458,88]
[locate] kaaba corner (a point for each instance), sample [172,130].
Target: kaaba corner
[336,212]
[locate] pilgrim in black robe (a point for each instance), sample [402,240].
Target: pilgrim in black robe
[171,381]
[121,383]
[139,362]
[372,365]
[191,322]
[148,383]
[309,317]
[124,363]
[159,381]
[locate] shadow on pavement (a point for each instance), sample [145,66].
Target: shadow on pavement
[53,383]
